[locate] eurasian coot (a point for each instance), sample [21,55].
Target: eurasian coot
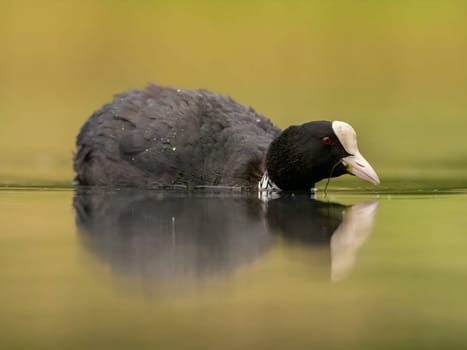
[163,136]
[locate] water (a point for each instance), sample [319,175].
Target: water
[213,269]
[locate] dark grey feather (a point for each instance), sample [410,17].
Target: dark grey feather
[162,136]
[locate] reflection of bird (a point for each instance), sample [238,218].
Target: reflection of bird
[172,235]
[163,137]
[349,237]
[342,228]
[175,236]
[303,220]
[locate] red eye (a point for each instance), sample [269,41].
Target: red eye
[327,140]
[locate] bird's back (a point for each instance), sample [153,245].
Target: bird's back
[162,137]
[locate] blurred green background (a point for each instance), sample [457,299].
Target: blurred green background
[396,70]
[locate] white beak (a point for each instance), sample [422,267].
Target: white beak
[355,163]
[359,166]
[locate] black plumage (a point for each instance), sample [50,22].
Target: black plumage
[163,136]
[298,158]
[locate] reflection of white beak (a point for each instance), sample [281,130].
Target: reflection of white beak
[359,166]
[355,163]
[349,237]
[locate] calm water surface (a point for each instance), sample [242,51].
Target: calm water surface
[129,269]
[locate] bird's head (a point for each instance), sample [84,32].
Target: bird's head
[305,154]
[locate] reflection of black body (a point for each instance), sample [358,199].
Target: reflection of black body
[304,220]
[179,235]
[171,235]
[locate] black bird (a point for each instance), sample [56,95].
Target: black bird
[163,136]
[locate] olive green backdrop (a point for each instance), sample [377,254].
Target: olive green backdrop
[396,70]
